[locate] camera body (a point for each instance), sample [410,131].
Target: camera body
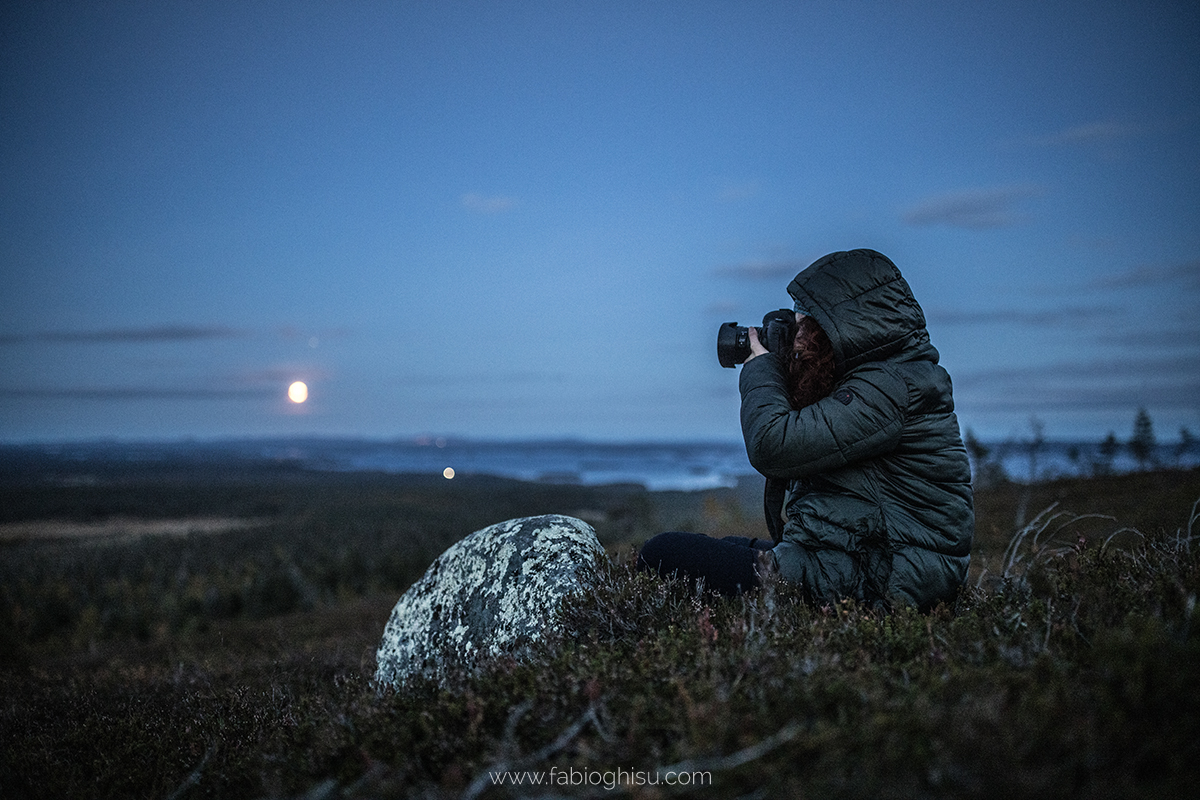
[776,334]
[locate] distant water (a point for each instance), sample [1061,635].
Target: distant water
[686,466]
[657,466]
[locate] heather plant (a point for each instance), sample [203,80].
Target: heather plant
[312,543]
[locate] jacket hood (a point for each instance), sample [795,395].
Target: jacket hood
[865,307]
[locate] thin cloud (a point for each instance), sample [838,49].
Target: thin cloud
[1051,317]
[1099,132]
[477,379]
[1174,338]
[313,338]
[760,270]
[134,393]
[724,308]
[161,333]
[973,209]
[738,191]
[274,376]
[1171,382]
[1185,275]
[485,204]
[1172,394]
[1142,369]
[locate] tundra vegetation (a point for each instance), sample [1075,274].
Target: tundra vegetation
[236,660]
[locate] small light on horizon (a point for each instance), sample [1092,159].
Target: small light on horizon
[448,473]
[298,392]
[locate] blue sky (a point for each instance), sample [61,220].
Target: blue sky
[528,219]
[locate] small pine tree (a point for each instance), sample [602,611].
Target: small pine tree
[986,470]
[1142,444]
[1035,446]
[1108,451]
[1073,455]
[1186,443]
[975,448]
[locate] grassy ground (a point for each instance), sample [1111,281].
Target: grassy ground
[238,663]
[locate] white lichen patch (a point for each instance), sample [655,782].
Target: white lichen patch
[489,593]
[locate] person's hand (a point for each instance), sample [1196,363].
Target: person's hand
[756,347]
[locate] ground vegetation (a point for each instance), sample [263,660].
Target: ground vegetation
[238,662]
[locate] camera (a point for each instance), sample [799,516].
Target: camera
[776,334]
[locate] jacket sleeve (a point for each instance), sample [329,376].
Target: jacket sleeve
[862,418]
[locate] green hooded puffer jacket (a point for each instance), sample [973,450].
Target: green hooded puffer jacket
[878,504]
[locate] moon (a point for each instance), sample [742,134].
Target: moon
[298,392]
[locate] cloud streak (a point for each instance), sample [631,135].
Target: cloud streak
[485,204]
[1186,275]
[124,393]
[160,333]
[1177,394]
[1154,339]
[514,378]
[1052,317]
[1099,132]
[1141,369]
[1164,382]
[760,270]
[737,192]
[973,209]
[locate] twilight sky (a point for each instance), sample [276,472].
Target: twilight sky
[528,219]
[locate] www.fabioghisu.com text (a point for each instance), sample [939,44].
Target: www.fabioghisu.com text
[606,779]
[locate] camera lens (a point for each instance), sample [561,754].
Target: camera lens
[733,344]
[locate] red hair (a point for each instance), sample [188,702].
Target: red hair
[810,369]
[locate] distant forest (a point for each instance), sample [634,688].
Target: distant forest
[1037,458]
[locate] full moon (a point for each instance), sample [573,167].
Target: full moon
[298,392]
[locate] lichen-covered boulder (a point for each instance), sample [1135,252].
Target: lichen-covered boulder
[490,593]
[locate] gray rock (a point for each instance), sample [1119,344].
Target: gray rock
[490,593]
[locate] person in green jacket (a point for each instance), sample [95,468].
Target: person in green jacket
[868,490]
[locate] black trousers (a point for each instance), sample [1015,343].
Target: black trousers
[727,565]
